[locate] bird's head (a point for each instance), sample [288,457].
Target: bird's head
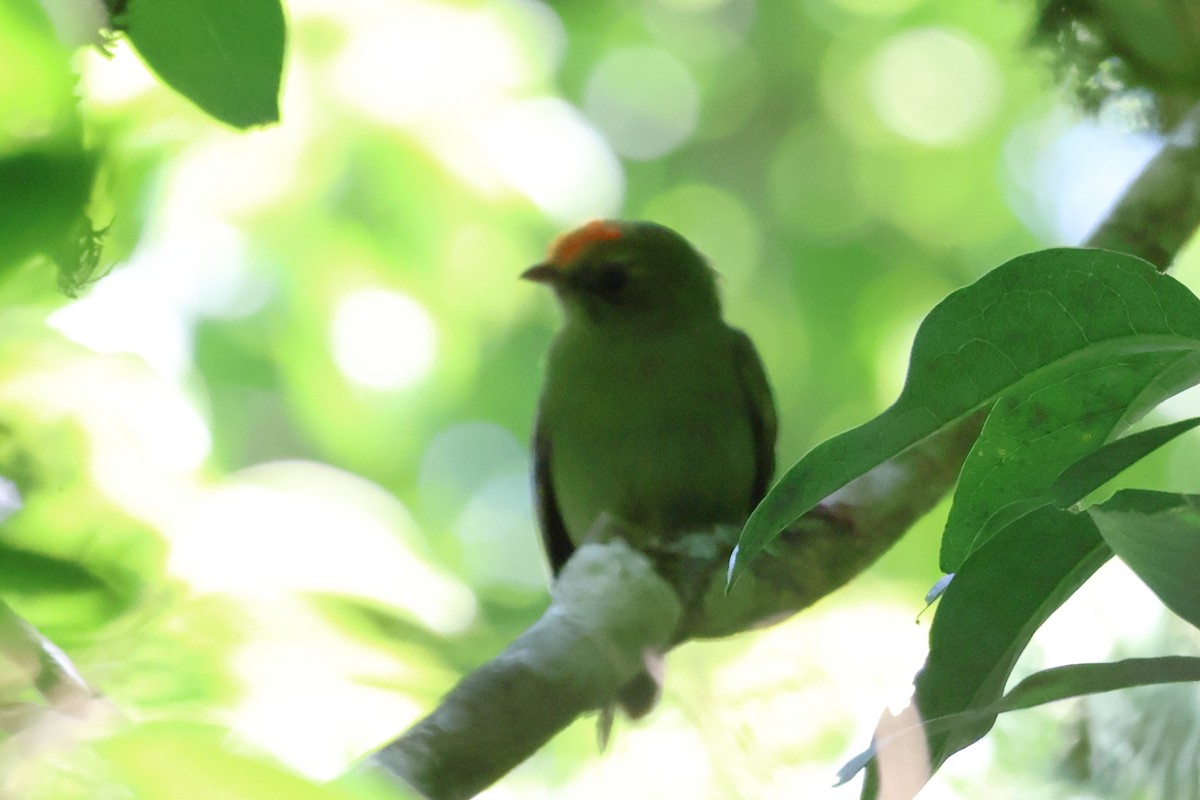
[633,274]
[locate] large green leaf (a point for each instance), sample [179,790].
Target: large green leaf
[1004,592]
[182,761]
[1025,329]
[226,56]
[1158,535]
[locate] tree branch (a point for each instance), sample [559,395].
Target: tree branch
[1160,210]
[608,607]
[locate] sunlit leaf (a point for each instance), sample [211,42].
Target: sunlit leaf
[1158,535]
[226,56]
[381,626]
[177,761]
[1025,327]
[37,82]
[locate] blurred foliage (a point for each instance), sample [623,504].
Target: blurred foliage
[266,482]
[1141,54]
[226,57]
[1063,348]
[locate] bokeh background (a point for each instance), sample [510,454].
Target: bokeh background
[267,481]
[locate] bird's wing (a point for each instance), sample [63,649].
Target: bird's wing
[760,406]
[554,530]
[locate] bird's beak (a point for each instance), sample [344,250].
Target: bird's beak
[547,272]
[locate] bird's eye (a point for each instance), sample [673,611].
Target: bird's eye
[611,278]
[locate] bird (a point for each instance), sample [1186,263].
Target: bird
[652,411]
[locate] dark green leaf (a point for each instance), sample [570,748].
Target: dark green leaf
[226,56]
[1090,473]
[62,596]
[22,573]
[1043,427]
[1002,594]
[1098,468]
[1036,451]
[1158,535]
[42,199]
[1029,324]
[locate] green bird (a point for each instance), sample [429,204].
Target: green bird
[653,410]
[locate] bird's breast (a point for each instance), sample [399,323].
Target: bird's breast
[657,436]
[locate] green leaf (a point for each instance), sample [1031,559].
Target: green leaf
[43,194]
[1032,322]
[226,56]
[61,596]
[1089,473]
[23,572]
[1031,436]
[1000,596]
[1052,685]
[1029,444]
[1076,680]
[181,761]
[1099,467]
[38,102]
[1158,535]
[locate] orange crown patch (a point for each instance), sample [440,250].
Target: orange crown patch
[566,248]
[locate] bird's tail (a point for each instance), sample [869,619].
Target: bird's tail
[636,698]
[640,695]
